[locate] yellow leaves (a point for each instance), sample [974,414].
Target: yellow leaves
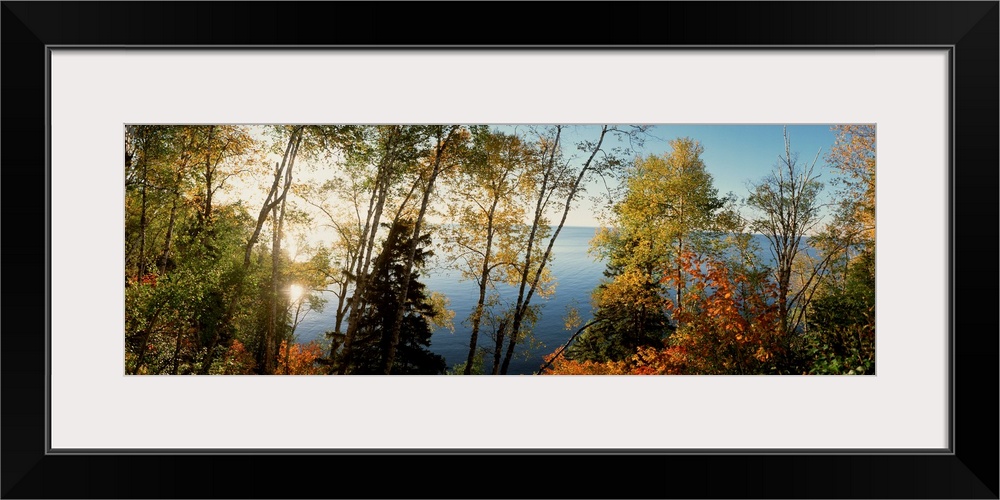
[442,317]
[572,318]
[762,355]
[630,290]
[854,154]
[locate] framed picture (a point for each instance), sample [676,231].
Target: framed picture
[924,73]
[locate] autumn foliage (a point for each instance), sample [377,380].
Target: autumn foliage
[301,360]
[238,360]
[563,366]
[727,324]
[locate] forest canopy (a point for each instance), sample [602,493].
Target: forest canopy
[235,235]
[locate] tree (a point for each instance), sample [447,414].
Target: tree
[676,194]
[444,137]
[173,319]
[157,173]
[486,214]
[631,313]
[841,337]
[841,320]
[379,158]
[853,154]
[336,260]
[729,323]
[281,181]
[788,209]
[298,359]
[141,144]
[375,334]
[726,327]
[666,206]
[217,143]
[278,300]
[177,328]
[558,183]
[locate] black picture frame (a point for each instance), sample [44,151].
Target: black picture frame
[969,470]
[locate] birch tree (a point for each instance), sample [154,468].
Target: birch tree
[788,209]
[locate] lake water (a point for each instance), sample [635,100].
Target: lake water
[576,275]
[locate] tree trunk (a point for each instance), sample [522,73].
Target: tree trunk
[287,161]
[144,339]
[277,285]
[511,344]
[498,350]
[177,351]
[165,257]
[272,314]
[483,279]
[142,217]
[523,304]
[376,205]
[414,240]
[207,209]
[373,218]
[783,285]
[522,300]
[680,278]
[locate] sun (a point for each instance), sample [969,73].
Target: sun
[295,292]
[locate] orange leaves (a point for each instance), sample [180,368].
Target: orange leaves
[726,319]
[667,361]
[727,323]
[646,361]
[237,361]
[563,366]
[300,360]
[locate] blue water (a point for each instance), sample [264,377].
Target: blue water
[576,274]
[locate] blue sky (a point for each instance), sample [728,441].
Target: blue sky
[733,154]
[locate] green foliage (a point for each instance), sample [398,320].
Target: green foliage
[478,365]
[845,351]
[841,335]
[173,318]
[632,313]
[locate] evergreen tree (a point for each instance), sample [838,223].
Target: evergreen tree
[379,306]
[631,312]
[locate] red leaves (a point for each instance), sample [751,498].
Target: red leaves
[726,319]
[147,279]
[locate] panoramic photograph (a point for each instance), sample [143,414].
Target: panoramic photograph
[513,249]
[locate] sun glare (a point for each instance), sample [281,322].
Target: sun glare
[295,292]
